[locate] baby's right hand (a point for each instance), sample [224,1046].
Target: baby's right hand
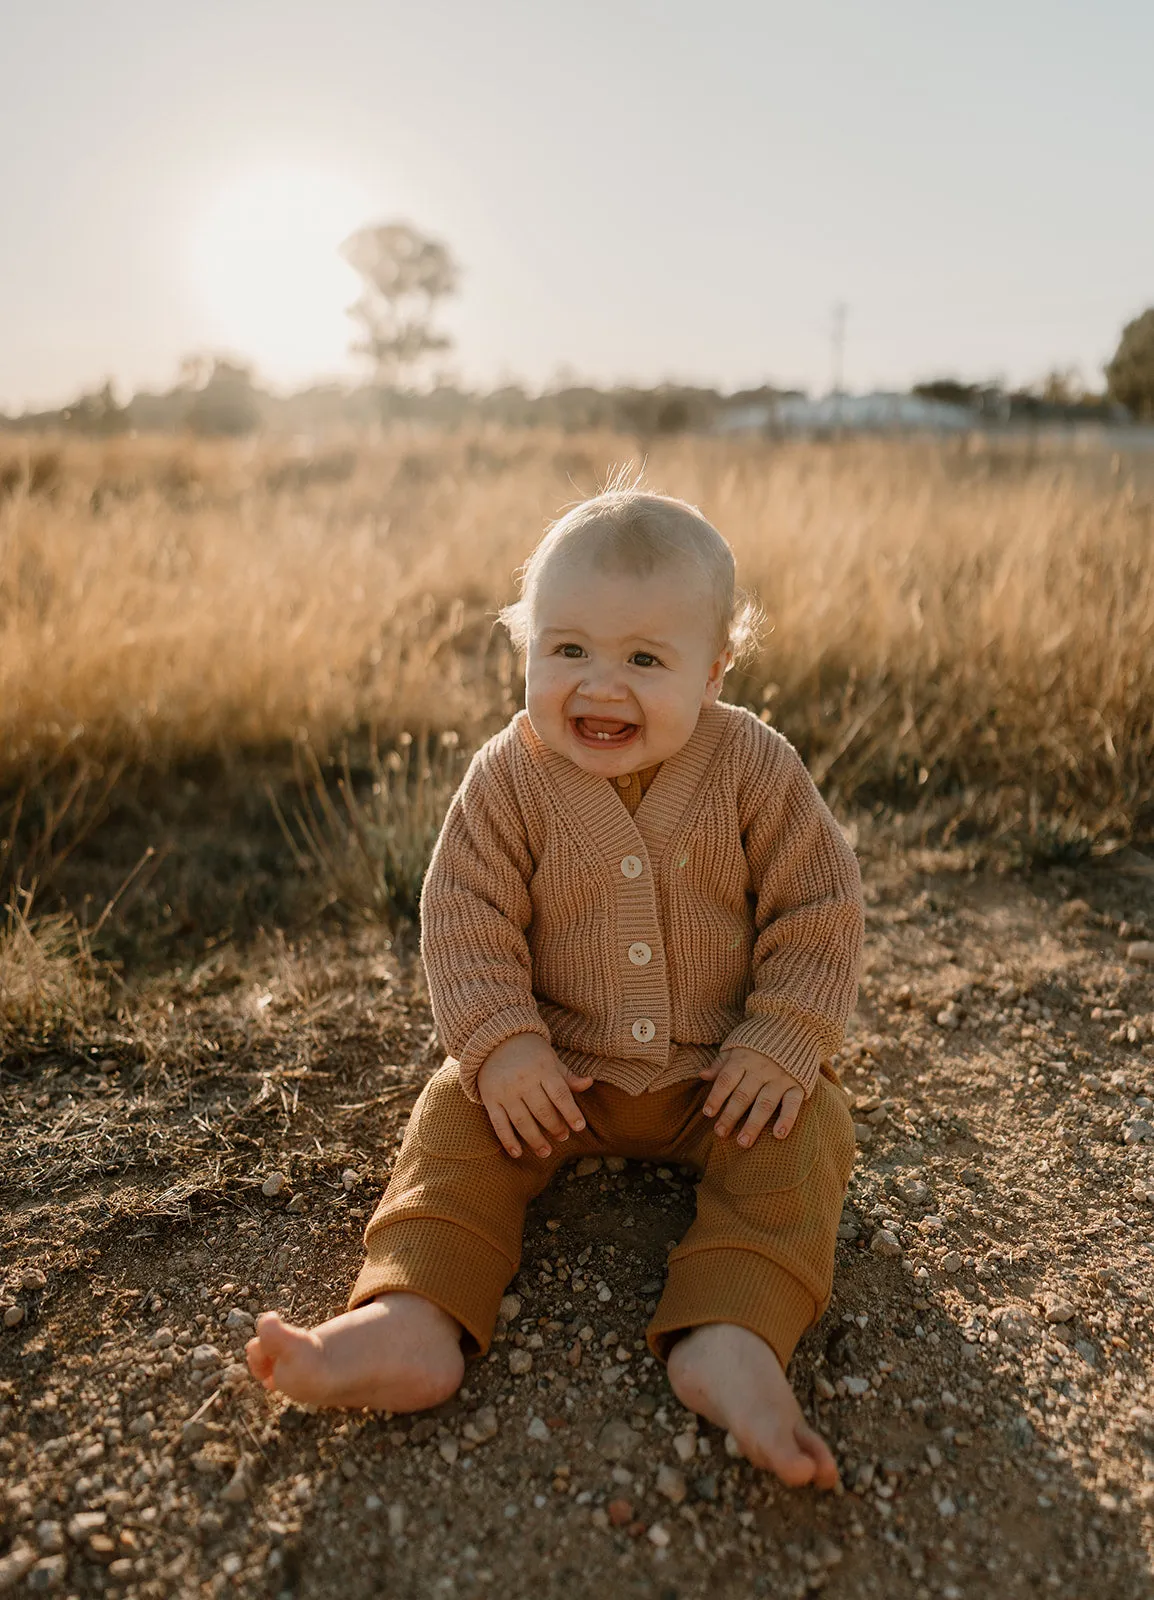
[524,1087]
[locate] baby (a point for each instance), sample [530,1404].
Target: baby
[642,931]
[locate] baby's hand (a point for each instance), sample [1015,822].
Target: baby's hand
[524,1086]
[743,1079]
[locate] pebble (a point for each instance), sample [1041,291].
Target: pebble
[587,1166]
[732,1448]
[1058,1309]
[33,1278]
[162,1338]
[449,1449]
[397,1517]
[510,1307]
[296,1205]
[13,1316]
[84,1524]
[863,1133]
[617,1440]
[1138,1131]
[15,1565]
[349,1179]
[950,1018]
[823,1388]
[671,1484]
[615,1163]
[685,1446]
[50,1537]
[481,1426]
[1017,1323]
[142,1425]
[951,1261]
[238,1488]
[659,1536]
[620,1512]
[538,1429]
[239,1320]
[1141,950]
[204,1356]
[273,1184]
[520,1362]
[886,1243]
[857,1386]
[48,1573]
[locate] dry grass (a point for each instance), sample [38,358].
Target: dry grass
[50,986]
[952,626]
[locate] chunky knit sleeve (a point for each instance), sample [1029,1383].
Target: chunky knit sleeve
[809,915]
[475,908]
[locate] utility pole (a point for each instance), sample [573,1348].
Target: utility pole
[837,344]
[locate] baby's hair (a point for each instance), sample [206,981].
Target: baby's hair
[628,529]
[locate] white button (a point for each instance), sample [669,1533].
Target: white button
[622,780]
[643,1030]
[631,866]
[640,954]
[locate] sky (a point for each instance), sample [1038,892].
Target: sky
[636,192]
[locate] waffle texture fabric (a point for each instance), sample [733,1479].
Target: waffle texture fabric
[760,1252]
[725,909]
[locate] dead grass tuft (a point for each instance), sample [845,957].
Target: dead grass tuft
[50,987]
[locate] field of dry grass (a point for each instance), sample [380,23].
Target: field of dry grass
[964,629]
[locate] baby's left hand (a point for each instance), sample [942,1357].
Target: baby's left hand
[745,1080]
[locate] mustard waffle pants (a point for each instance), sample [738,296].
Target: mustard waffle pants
[759,1253]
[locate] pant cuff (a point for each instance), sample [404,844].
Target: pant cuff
[451,1266]
[730,1284]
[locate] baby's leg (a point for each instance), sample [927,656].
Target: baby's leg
[752,1273]
[398,1352]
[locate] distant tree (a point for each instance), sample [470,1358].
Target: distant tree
[226,403]
[99,412]
[406,274]
[1130,375]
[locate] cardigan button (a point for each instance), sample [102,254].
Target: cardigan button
[640,954]
[643,1030]
[631,866]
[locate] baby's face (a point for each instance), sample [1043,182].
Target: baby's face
[618,668]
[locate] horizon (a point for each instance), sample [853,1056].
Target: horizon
[964,185]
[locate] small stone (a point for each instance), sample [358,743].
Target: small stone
[885,1243]
[1058,1309]
[32,1278]
[520,1362]
[84,1524]
[659,1536]
[15,1565]
[617,1440]
[193,1433]
[615,1163]
[620,1512]
[13,1316]
[162,1338]
[397,1518]
[587,1166]
[48,1573]
[951,1261]
[484,1424]
[705,1487]
[1017,1323]
[949,1018]
[50,1538]
[538,1429]
[273,1184]
[239,1321]
[510,1307]
[604,1293]
[671,1484]
[1141,950]
[1138,1131]
[863,1133]
[685,1446]
[732,1448]
[204,1356]
[142,1425]
[296,1205]
[120,1570]
[349,1179]
[448,1449]
[856,1386]
[933,1456]
[823,1388]
[101,1547]
[235,1373]
[238,1488]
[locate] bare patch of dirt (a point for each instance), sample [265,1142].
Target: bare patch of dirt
[984,1373]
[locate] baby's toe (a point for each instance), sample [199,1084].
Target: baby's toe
[260,1362]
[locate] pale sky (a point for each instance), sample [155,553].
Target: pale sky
[636,191]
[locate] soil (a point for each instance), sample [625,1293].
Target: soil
[985,1372]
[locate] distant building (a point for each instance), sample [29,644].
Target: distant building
[855,413]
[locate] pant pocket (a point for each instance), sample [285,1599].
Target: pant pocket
[446,1123]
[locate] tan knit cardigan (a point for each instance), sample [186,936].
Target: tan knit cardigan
[726,911]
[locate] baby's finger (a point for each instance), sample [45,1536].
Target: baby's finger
[724,1084]
[791,1103]
[503,1128]
[522,1119]
[760,1113]
[740,1099]
[710,1072]
[558,1091]
[546,1112]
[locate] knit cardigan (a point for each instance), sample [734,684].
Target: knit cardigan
[726,911]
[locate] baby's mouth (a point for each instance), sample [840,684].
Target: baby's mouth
[603,733]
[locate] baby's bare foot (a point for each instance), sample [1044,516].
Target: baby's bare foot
[732,1377]
[397,1353]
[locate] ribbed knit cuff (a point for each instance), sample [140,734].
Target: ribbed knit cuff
[451,1266]
[732,1284]
[789,1040]
[493,1031]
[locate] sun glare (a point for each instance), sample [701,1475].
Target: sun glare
[266,269]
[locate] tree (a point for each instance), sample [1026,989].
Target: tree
[226,403]
[406,275]
[1130,376]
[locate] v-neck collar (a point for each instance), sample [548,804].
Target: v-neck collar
[663,805]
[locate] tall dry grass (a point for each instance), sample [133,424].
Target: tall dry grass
[950,624]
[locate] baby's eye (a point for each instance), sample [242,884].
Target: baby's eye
[571,652]
[642,658]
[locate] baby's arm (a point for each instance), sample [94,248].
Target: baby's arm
[808,917]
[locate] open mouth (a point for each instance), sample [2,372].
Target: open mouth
[603,733]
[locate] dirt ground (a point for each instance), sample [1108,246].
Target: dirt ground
[985,1372]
